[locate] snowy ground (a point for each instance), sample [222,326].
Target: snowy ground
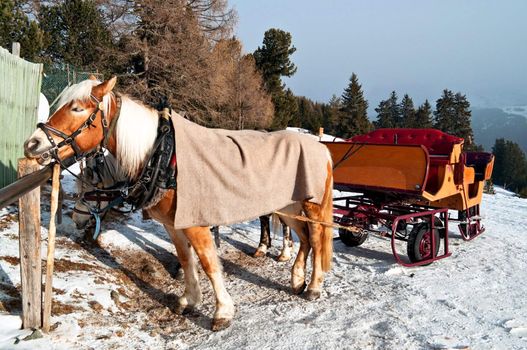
[122,294]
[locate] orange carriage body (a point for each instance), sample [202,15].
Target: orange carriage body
[426,166]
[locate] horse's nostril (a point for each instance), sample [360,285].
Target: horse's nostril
[32,145]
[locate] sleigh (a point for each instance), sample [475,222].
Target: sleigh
[412,181]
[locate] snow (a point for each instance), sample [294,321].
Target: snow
[122,294]
[325,137]
[518,110]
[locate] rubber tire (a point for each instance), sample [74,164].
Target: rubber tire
[352,239]
[416,235]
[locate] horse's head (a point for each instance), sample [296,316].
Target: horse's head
[78,125]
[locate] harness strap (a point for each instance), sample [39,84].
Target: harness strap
[70,140]
[113,123]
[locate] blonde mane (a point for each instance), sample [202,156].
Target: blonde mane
[136,132]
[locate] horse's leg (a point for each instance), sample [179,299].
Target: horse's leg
[287,246]
[192,295]
[265,237]
[201,240]
[320,237]
[315,237]
[298,272]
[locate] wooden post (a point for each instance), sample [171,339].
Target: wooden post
[15,49]
[61,200]
[30,260]
[51,247]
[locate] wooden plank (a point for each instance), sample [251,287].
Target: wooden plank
[19,95]
[30,260]
[51,248]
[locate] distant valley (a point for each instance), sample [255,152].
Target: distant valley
[510,123]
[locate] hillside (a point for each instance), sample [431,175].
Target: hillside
[489,124]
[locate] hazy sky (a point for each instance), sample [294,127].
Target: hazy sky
[419,47]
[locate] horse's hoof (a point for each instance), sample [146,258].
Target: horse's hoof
[259,253]
[283,258]
[299,290]
[220,324]
[180,275]
[184,309]
[312,295]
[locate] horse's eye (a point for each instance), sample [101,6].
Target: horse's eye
[77,109]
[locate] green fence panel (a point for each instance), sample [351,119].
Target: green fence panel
[19,97]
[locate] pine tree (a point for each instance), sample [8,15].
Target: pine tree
[423,116]
[510,165]
[354,118]
[331,115]
[388,113]
[408,113]
[15,26]
[445,112]
[453,115]
[309,114]
[285,107]
[384,117]
[273,60]
[76,33]
[462,125]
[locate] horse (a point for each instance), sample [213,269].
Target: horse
[104,173]
[92,115]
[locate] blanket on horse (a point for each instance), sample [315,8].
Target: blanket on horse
[225,176]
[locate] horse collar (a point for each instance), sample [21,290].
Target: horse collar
[160,171]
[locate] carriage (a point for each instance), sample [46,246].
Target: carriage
[408,184]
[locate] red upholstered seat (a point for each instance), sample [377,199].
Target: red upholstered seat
[438,144]
[435,141]
[479,161]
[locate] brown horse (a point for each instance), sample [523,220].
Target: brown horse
[82,119]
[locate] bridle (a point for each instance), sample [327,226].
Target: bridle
[69,140]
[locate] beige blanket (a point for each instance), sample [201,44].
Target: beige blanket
[228,176]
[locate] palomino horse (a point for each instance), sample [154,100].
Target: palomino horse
[80,125]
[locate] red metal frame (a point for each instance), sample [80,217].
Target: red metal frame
[431,214]
[394,213]
[473,226]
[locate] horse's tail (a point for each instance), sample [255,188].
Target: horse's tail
[327,217]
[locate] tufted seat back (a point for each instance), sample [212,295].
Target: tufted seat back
[435,141]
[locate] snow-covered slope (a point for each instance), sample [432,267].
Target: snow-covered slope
[122,295]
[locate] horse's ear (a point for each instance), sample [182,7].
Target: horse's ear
[105,87]
[92,77]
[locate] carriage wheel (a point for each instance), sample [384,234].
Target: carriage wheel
[352,239]
[419,246]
